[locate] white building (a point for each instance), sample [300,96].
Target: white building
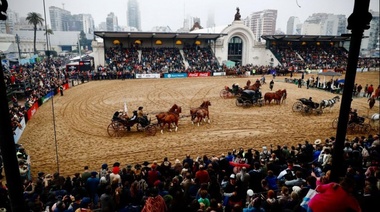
[293,26]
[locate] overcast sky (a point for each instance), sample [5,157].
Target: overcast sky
[172,12]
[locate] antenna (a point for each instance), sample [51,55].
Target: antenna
[63,5]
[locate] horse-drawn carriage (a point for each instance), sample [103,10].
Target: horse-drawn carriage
[307,106]
[358,126]
[230,92]
[118,127]
[250,98]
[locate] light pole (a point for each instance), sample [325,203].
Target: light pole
[52,97]
[46,32]
[18,46]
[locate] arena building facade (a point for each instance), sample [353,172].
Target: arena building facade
[232,43]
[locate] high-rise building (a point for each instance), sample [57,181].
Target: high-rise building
[59,18]
[210,19]
[324,24]
[262,23]
[133,15]
[111,22]
[371,40]
[293,26]
[8,26]
[88,23]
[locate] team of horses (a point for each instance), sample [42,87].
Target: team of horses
[172,116]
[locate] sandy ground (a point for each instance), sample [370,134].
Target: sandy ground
[84,112]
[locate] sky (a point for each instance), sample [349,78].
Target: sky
[172,12]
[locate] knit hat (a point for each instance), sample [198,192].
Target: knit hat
[115,170]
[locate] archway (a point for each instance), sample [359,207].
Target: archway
[235,49]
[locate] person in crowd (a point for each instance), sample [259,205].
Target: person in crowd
[335,197]
[271,84]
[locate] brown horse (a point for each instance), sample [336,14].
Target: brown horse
[276,96]
[169,118]
[161,115]
[254,87]
[200,113]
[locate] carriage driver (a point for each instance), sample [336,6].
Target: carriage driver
[141,116]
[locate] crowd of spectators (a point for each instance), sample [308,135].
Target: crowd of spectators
[318,57]
[275,178]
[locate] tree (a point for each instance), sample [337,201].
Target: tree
[49,32]
[34,19]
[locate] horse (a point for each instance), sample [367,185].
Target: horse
[276,96]
[201,112]
[161,115]
[169,118]
[254,87]
[284,95]
[329,102]
[339,70]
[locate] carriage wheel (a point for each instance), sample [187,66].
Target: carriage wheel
[150,130]
[139,127]
[239,102]
[351,128]
[335,123]
[224,93]
[113,129]
[247,103]
[297,107]
[260,103]
[366,128]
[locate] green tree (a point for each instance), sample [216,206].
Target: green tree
[34,19]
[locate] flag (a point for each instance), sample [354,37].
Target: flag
[125,107]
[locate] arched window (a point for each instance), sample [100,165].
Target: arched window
[235,49]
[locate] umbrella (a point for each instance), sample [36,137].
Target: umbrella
[341,81]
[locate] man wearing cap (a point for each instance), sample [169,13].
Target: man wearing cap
[233,193]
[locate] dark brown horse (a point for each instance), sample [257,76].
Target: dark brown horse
[276,96]
[200,113]
[169,118]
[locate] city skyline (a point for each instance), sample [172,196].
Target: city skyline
[165,13]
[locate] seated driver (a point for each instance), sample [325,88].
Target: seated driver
[235,88]
[141,115]
[354,118]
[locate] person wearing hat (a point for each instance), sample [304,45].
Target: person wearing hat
[233,193]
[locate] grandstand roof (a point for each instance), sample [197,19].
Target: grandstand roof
[306,38]
[162,35]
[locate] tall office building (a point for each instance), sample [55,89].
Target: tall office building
[293,26]
[210,19]
[88,23]
[133,15]
[262,23]
[8,26]
[324,24]
[59,18]
[370,43]
[111,22]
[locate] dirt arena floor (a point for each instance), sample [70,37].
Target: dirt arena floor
[84,112]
